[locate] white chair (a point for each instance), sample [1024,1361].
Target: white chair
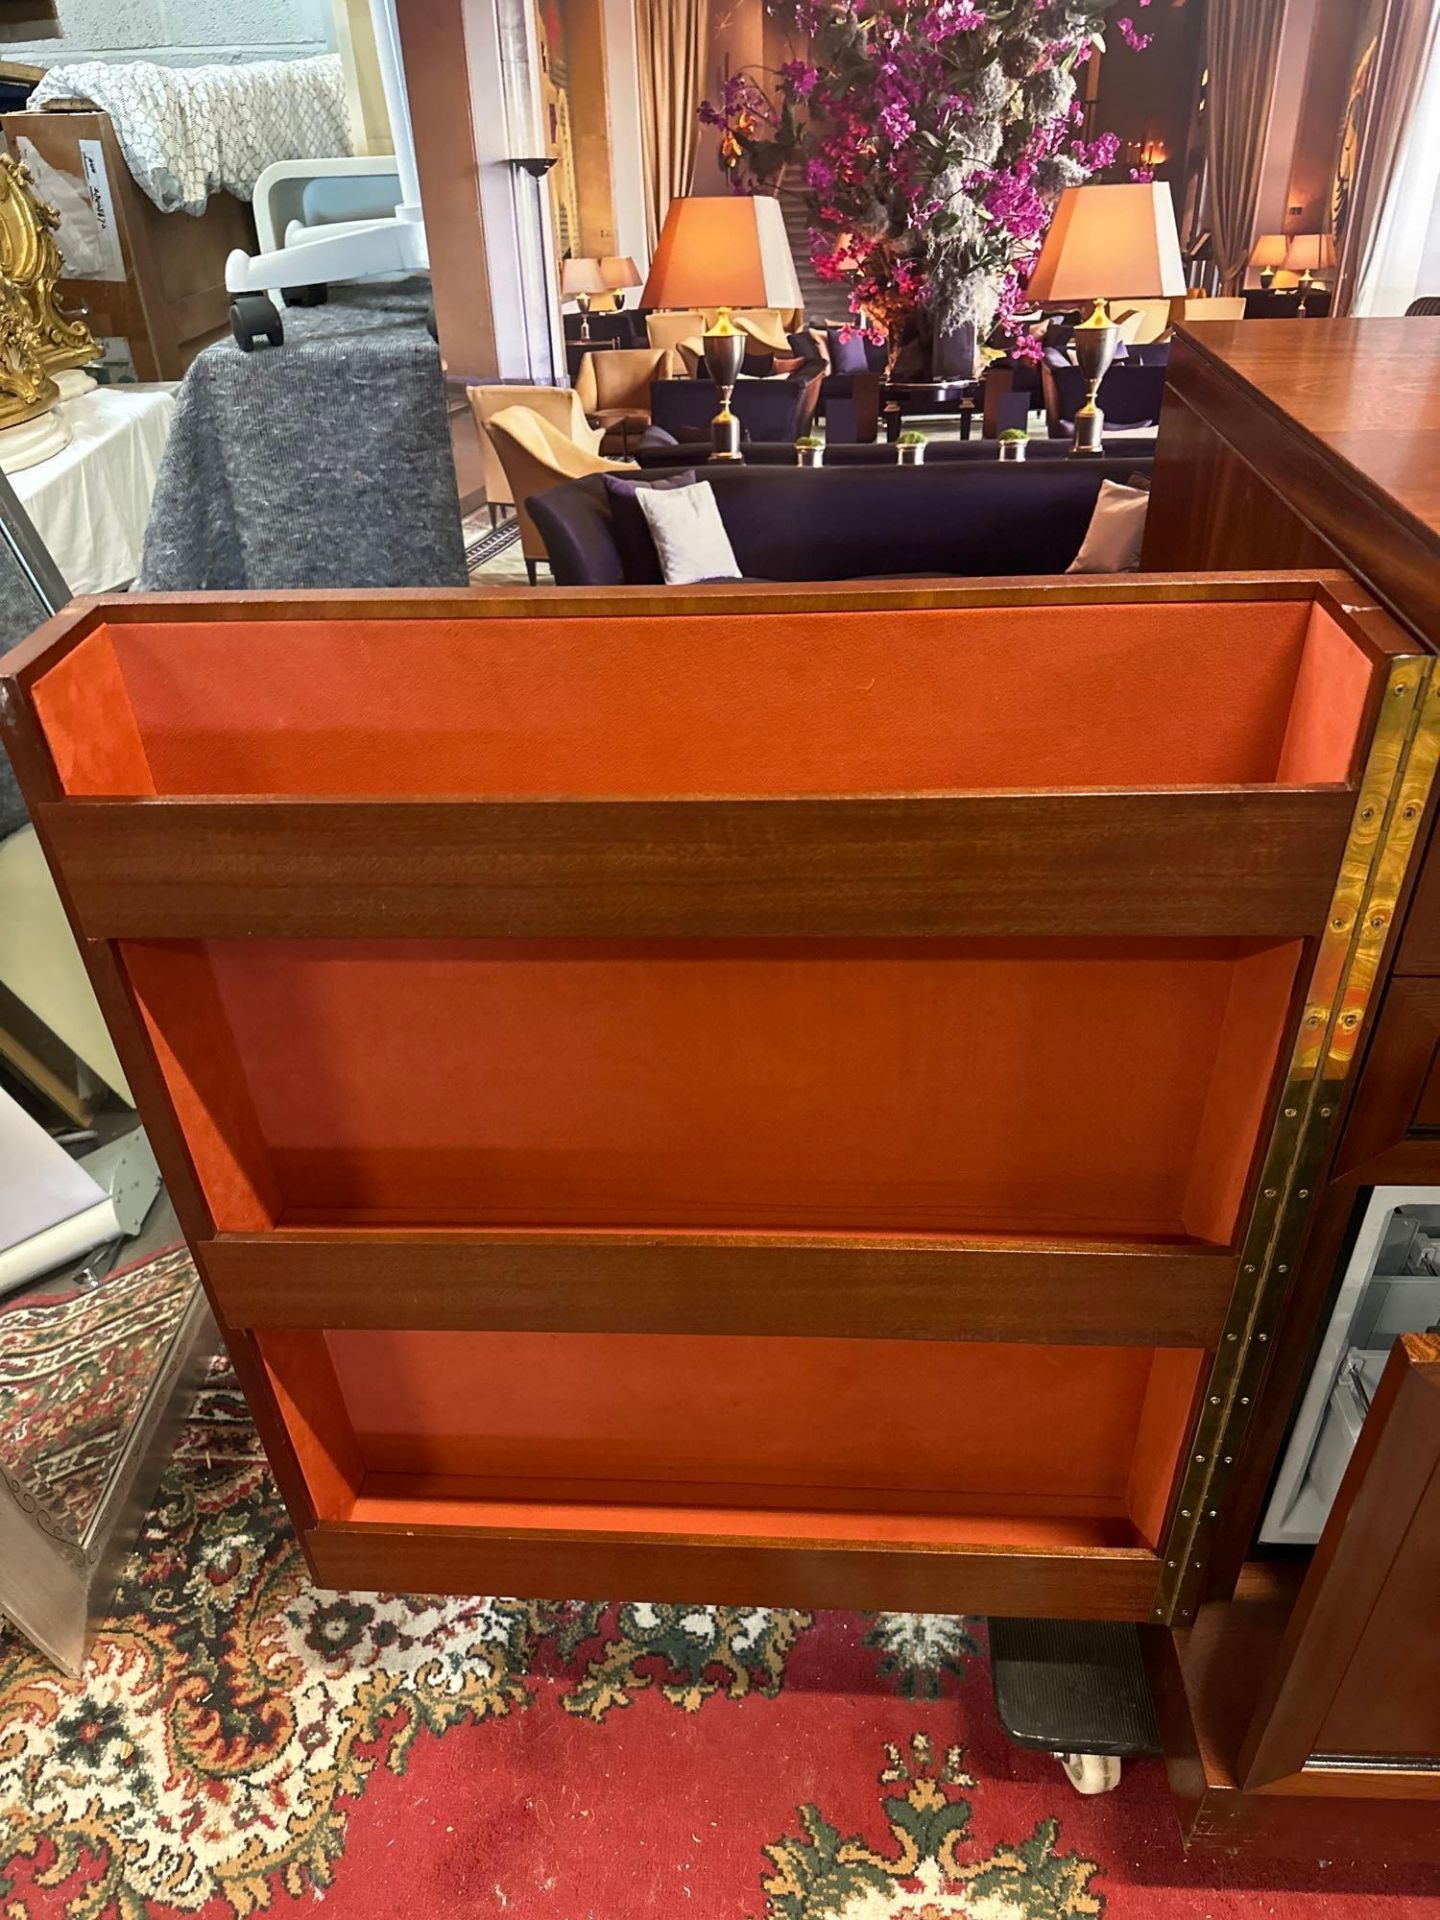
[351,250]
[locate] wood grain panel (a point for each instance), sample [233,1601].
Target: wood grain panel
[1247,861]
[1339,426]
[1071,1582]
[1358,1669]
[867,1287]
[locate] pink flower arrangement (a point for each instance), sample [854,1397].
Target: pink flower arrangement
[935,137]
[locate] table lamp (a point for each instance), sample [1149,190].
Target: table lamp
[723,251]
[580,278]
[1267,254]
[619,271]
[1307,255]
[1121,240]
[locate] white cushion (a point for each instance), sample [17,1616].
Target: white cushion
[689,535]
[1117,527]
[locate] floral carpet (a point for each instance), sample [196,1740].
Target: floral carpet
[244,1744]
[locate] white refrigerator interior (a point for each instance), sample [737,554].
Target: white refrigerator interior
[1391,1286]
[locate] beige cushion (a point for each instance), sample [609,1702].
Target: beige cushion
[1117,527]
[690,538]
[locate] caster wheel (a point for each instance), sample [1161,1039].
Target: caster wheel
[1091,1772]
[312,296]
[253,318]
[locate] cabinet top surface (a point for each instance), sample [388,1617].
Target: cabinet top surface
[1368,391]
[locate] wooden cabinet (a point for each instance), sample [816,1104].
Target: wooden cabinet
[154,290]
[1303,1715]
[1301,1708]
[613,1053]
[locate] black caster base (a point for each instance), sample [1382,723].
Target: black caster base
[1077,1689]
[254,318]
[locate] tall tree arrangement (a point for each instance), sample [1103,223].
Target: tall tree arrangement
[935,138]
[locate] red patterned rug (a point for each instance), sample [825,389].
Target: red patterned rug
[242,1743]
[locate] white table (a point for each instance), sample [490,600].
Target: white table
[90,501]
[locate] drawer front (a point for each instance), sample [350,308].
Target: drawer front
[1393,1133]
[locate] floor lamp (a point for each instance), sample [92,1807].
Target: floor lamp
[538,166]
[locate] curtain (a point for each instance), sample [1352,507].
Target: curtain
[1242,47]
[1390,134]
[672,37]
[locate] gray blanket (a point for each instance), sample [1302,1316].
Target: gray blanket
[322,463]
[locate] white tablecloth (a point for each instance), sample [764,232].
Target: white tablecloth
[90,502]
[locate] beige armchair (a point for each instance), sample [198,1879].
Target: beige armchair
[537,456]
[561,406]
[1217,307]
[669,329]
[614,390]
[1142,321]
[763,324]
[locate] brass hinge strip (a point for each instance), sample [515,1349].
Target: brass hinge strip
[1399,772]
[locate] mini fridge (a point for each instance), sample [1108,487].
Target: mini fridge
[1391,1286]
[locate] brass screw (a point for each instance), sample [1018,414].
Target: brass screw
[1199,1459]
[1262,1336]
[1324,1113]
[1235,1336]
[1282,1269]
[1214,1399]
[1184,1513]
[1270,1192]
[1249,1269]
[1290,1113]
[1377,919]
[1244,1399]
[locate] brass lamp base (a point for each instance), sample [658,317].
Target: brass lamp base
[1096,339]
[724,356]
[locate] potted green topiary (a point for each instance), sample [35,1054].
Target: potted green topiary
[1013,443]
[809,451]
[910,449]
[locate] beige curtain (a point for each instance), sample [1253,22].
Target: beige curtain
[672,38]
[1397,69]
[1242,46]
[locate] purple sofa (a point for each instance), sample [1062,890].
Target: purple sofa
[855,523]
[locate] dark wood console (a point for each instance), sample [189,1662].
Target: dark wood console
[1302,1709]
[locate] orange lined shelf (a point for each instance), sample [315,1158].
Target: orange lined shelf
[743,1097]
[904,1088]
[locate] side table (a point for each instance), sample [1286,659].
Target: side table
[925,397]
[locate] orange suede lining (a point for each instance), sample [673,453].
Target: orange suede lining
[876,1416]
[1063,1087]
[1209,693]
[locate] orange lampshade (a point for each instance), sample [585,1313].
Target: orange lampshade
[1309,253]
[723,251]
[619,270]
[1119,242]
[1270,250]
[581,274]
